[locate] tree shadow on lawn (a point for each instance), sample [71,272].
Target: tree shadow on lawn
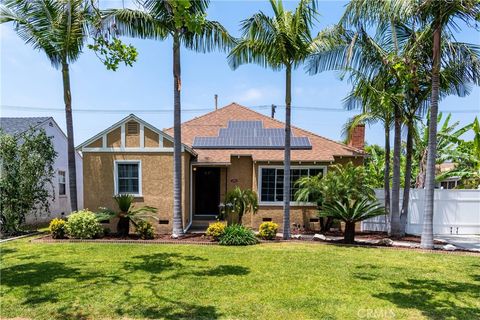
[5,251]
[33,275]
[434,298]
[172,311]
[367,272]
[39,284]
[160,262]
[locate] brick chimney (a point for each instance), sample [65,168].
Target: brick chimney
[358,137]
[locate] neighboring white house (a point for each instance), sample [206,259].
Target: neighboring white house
[60,206]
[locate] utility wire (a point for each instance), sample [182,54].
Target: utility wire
[156,109]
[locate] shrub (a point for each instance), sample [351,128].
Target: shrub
[57,228]
[83,225]
[145,230]
[216,230]
[237,235]
[268,230]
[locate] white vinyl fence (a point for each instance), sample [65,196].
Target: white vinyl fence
[455,212]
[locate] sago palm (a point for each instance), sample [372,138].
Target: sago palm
[184,22]
[280,42]
[60,29]
[351,213]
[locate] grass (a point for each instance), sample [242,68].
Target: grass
[271,281]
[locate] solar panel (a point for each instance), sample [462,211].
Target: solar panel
[245,134]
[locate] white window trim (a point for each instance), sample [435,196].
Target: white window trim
[280,203]
[65,183]
[115,176]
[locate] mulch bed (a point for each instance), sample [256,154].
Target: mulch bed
[191,238]
[383,235]
[201,239]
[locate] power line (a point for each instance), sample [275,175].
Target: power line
[159,110]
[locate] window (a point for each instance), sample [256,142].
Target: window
[61,183]
[271,181]
[449,184]
[128,177]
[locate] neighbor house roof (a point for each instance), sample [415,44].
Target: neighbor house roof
[323,149]
[14,126]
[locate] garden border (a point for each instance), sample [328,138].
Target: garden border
[20,237]
[205,243]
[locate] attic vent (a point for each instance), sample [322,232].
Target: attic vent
[132,128]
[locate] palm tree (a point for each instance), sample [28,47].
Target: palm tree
[185,23]
[441,16]
[429,14]
[371,63]
[375,108]
[60,29]
[279,42]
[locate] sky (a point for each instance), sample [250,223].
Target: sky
[30,86]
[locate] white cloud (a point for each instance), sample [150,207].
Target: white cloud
[256,95]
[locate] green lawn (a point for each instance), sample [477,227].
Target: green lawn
[270,281]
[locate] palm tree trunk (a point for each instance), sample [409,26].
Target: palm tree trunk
[386,175]
[72,167]
[286,170]
[427,233]
[397,141]
[349,234]
[408,178]
[177,141]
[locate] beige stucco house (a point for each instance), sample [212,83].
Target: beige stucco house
[228,147]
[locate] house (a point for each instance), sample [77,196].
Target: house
[450,182]
[60,205]
[228,147]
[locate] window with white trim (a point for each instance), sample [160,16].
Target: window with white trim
[61,183]
[271,181]
[128,177]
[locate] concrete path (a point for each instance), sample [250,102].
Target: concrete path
[468,242]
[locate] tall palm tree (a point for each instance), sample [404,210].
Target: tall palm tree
[375,108]
[441,16]
[60,29]
[433,15]
[371,63]
[185,23]
[280,42]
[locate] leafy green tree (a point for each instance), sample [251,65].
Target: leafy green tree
[26,177]
[466,157]
[375,165]
[280,42]
[186,24]
[59,28]
[448,139]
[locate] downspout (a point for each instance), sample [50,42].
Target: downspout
[190,202]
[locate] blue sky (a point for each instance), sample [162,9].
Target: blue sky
[28,80]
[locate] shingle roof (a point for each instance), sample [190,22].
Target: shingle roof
[323,149]
[14,126]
